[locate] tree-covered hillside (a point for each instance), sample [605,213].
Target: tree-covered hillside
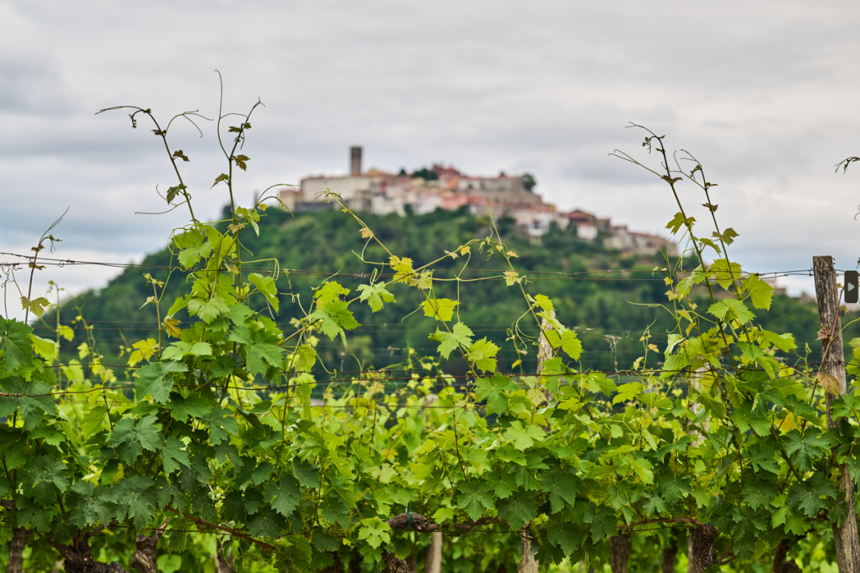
[611,298]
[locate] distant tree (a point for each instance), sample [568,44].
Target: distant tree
[426,174]
[402,172]
[529,181]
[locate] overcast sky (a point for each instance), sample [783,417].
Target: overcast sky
[765,94]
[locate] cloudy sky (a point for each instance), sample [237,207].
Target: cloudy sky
[765,94]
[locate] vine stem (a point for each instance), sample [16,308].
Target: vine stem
[695,522]
[230,530]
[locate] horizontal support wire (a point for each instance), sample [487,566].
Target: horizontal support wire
[560,274]
[380,377]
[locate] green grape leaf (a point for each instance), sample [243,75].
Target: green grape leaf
[206,309]
[233,507]
[157,380]
[725,273]
[784,342]
[47,349]
[254,500]
[260,352]
[13,447]
[375,295]
[181,349]
[172,192]
[33,515]
[66,332]
[241,161]
[195,406]
[449,341]
[679,221]
[374,532]
[571,344]
[173,455]
[807,447]
[524,437]
[422,280]
[136,498]
[45,478]
[28,405]
[544,302]
[745,419]
[439,308]
[36,306]
[759,493]
[493,391]
[324,542]
[518,509]
[627,392]
[714,405]
[562,488]
[402,268]
[130,438]
[335,509]
[266,524]
[568,536]
[334,317]
[262,472]
[303,358]
[527,478]
[221,423]
[475,497]
[188,238]
[806,495]
[727,236]
[306,473]
[16,344]
[329,292]
[603,522]
[672,487]
[266,285]
[654,505]
[482,353]
[88,505]
[295,553]
[284,495]
[252,217]
[502,484]
[189,256]
[731,308]
[763,457]
[760,293]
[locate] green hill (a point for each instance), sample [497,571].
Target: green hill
[600,291]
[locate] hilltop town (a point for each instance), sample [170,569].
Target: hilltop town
[441,187]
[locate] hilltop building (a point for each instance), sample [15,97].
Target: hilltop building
[445,187]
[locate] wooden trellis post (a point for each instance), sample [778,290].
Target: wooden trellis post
[833,367]
[528,564]
[433,559]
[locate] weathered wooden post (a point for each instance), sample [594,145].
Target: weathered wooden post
[433,559]
[528,564]
[619,551]
[668,562]
[833,367]
[433,556]
[696,384]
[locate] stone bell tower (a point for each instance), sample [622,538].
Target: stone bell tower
[355,160]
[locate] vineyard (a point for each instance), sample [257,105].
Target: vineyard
[244,434]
